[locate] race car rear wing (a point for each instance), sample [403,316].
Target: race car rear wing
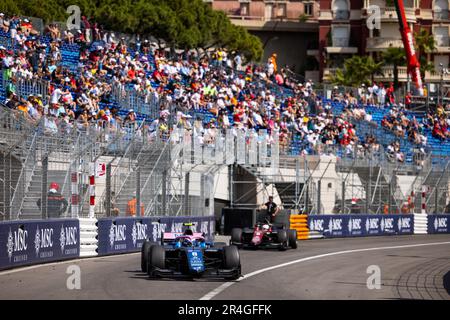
[170,236]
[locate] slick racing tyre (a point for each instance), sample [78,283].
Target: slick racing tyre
[144,255]
[292,238]
[283,239]
[231,260]
[236,235]
[156,258]
[231,257]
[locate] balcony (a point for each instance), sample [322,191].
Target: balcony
[389,14]
[440,14]
[341,45]
[261,23]
[386,75]
[381,44]
[435,76]
[442,44]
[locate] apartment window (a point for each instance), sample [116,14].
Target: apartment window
[440,9]
[341,10]
[340,36]
[281,10]
[441,36]
[309,8]
[245,8]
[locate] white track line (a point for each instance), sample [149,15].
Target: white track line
[63,262]
[225,285]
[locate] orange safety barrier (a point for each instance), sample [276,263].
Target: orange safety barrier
[299,222]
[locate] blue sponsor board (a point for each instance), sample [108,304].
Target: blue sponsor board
[121,235]
[361,225]
[36,241]
[438,223]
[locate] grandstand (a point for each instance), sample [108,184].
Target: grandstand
[136,112]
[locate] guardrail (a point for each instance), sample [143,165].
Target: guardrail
[30,242]
[123,235]
[38,241]
[333,226]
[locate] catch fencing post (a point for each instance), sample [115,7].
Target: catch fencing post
[138,191]
[108,190]
[91,190]
[389,196]
[75,197]
[44,187]
[319,187]
[423,200]
[186,193]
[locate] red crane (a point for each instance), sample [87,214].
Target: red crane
[408,42]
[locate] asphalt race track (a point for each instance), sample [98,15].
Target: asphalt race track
[319,269]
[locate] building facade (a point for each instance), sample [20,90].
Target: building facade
[346,28]
[287,27]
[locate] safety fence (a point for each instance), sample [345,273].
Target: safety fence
[33,154]
[30,242]
[148,104]
[122,235]
[356,225]
[38,241]
[332,226]
[24,87]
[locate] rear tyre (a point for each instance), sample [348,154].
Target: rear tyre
[232,260]
[292,238]
[236,236]
[283,239]
[156,259]
[144,255]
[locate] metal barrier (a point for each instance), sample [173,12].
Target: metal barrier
[148,104]
[25,87]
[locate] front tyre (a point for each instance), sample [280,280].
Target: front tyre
[144,255]
[283,239]
[292,238]
[156,259]
[232,260]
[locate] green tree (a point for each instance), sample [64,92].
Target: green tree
[357,70]
[186,24]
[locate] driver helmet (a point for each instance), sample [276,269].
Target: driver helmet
[187,242]
[265,227]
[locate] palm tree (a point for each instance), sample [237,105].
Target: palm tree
[395,57]
[425,45]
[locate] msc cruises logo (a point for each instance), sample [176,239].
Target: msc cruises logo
[138,232]
[17,242]
[440,223]
[354,225]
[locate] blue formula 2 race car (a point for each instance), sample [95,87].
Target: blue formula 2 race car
[188,254]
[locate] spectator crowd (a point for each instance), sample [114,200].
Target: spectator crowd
[185,86]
